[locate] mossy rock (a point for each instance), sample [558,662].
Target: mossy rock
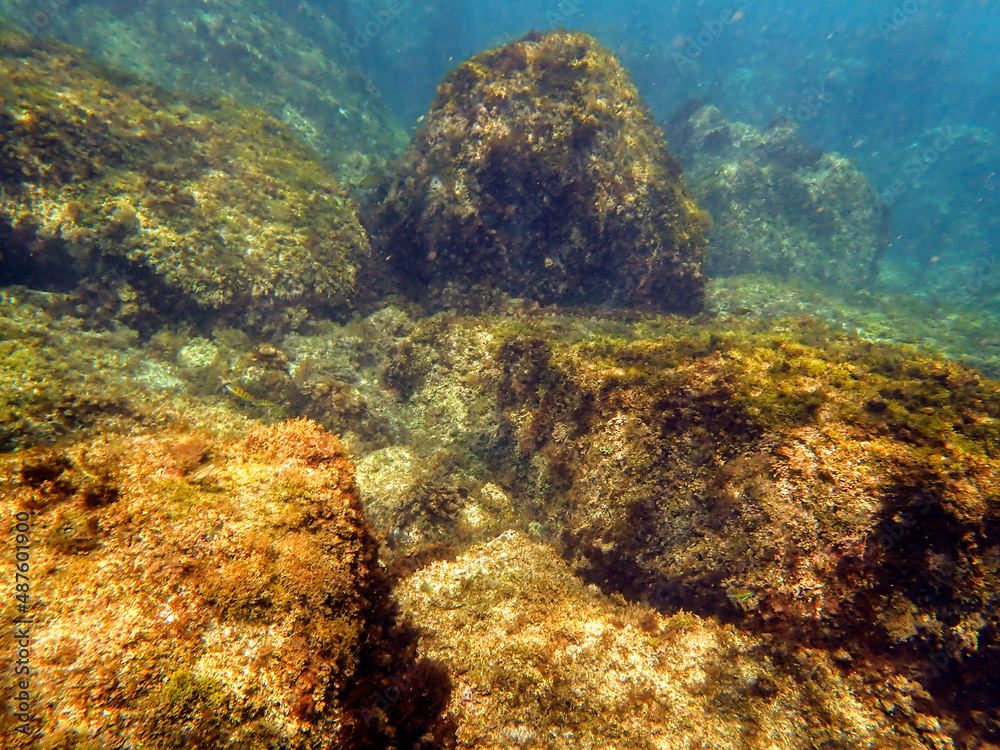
[796,481]
[215,594]
[290,64]
[166,205]
[549,662]
[776,205]
[539,172]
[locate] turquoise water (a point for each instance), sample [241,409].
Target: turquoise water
[880,82]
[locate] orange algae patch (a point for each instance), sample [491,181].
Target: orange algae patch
[221,593]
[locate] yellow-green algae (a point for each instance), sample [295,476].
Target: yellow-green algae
[850,486]
[877,313]
[541,660]
[177,204]
[291,65]
[776,205]
[59,380]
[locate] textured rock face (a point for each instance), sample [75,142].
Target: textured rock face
[833,501]
[195,594]
[831,492]
[544,661]
[289,64]
[539,172]
[777,206]
[165,205]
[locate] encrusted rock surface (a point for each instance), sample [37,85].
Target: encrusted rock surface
[776,205]
[540,172]
[838,494]
[684,466]
[165,205]
[287,61]
[192,593]
[543,661]
[806,488]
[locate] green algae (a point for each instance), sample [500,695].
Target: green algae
[188,711]
[776,205]
[169,198]
[671,460]
[265,610]
[784,379]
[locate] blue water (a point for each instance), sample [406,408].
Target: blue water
[908,90]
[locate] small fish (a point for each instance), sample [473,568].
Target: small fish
[371,181]
[743,311]
[245,397]
[741,596]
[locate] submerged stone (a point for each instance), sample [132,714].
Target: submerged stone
[544,661]
[289,63]
[192,593]
[800,483]
[776,205]
[152,205]
[539,172]
[832,501]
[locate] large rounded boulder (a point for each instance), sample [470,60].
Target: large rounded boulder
[539,172]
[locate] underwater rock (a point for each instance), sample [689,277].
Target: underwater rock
[167,206]
[833,497]
[56,379]
[541,660]
[540,172]
[797,482]
[835,494]
[289,63]
[193,593]
[777,206]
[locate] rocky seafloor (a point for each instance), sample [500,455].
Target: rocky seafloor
[475,522]
[644,532]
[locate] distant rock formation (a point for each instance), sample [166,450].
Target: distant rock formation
[777,206]
[290,63]
[155,205]
[540,172]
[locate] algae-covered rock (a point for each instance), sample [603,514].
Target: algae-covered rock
[776,474]
[540,172]
[777,206]
[541,660]
[288,63]
[192,593]
[832,500]
[163,203]
[799,482]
